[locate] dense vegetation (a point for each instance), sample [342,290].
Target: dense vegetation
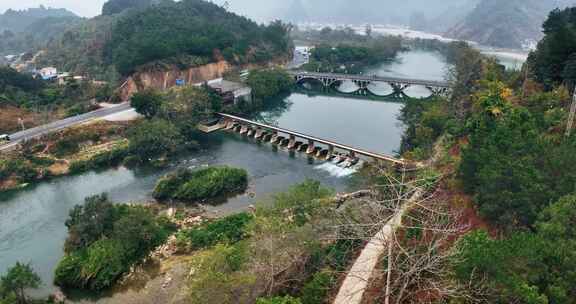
[210,32]
[80,49]
[269,83]
[175,34]
[274,252]
[212,182]
[171,121]
[29,30]
[553,62]
[504,136]
[16,282]
[113,7]
[105,240]
[351,57]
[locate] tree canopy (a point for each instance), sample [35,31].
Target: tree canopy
[192,27]
[13,285]
[554,59]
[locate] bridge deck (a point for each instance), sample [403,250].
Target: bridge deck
[316,139]
[434,83]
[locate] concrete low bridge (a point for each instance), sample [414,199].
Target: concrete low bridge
[363,82]
[296,141]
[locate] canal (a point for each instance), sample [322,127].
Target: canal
[32,221]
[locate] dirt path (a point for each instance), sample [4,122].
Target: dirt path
[356,282]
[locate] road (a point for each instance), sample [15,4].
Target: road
[18,137]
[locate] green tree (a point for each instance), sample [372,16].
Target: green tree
[279,300]
[552,61]
[269,82]
[112,7]
[501,163]
[147,103]
[18,278]
[154,138]
[88,223]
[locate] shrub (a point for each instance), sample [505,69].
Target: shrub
[105,159]
[206,183]
[315,291]
[230,229]
[105,240]
[279,300]
[22,169]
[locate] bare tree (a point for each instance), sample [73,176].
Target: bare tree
[415,266]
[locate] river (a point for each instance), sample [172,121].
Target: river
[32,221]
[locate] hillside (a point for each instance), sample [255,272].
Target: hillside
[183,34]
[29,30]
[19,21]
[506,24]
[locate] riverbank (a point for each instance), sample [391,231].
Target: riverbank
[32,220]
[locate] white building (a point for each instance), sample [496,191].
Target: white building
[48,73]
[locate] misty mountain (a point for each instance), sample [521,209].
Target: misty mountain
[17,21]
[29,30]
[374,11]
[506,24]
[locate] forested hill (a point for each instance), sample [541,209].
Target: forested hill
[19,21]
[112,7]
[184,34]
[29,30]
[507,24]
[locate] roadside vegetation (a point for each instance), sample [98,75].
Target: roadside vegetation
[198,185]
[75,150]
[36,101]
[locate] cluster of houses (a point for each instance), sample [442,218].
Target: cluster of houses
[51,74]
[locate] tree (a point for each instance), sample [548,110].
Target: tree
[19,278]
[88,223]
[269,83]
[189,106]
[117,6]
[501,163]
[154,138]
[147,103]
[552,61]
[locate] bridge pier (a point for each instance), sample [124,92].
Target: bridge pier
[259,132]
[295,141]
[310,148]
[292,142]
[243,129]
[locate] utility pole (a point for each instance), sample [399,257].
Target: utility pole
[21,123]
[572,115]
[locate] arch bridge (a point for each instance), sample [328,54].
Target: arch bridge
[363,82]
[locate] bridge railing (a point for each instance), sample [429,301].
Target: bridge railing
[434,83]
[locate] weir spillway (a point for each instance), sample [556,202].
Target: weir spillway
[290,139]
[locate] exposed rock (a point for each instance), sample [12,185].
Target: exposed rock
[162,80]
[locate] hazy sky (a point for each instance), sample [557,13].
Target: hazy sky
[86,8]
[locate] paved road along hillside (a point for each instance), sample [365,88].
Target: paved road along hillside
[16,138]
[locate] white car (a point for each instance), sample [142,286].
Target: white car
[4,138]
